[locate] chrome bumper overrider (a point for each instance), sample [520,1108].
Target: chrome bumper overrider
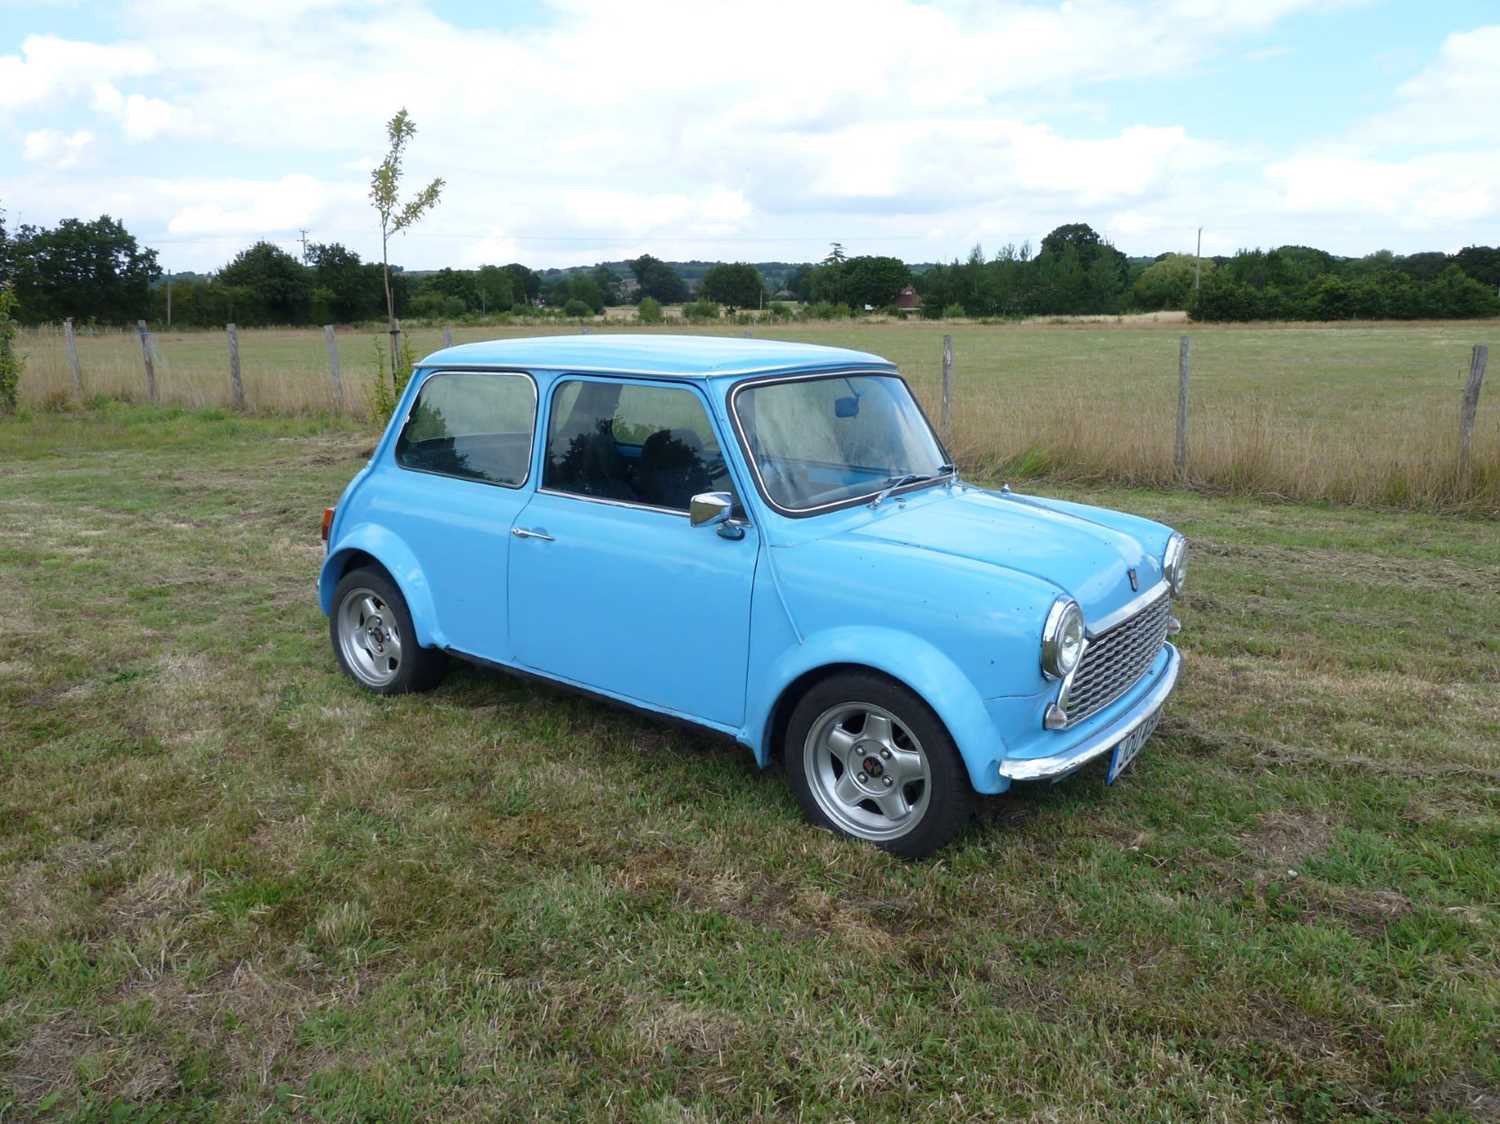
[1060,764]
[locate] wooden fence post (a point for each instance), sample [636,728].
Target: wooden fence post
[947,415]
[1470,409]
[1180,457]
[140,328]
[447,335]
[333,367]
[236,388]
[72,342]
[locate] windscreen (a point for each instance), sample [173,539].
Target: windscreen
[823,441]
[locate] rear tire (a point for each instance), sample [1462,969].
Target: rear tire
[374,640]
[867,758]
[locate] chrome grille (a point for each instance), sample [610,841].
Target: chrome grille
[1115,661]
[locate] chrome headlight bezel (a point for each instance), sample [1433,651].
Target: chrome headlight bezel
[1062,639]
[1174,562]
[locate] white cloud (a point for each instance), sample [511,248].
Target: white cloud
[250,207]
[48,69]
[142,118]
[1424,192]
[56,150]
[1453,101]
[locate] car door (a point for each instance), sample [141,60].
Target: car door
[611,587]
[463,459]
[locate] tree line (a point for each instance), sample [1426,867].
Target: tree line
[97,271]
[1077,272]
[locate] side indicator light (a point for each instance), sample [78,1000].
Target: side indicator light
[327,522]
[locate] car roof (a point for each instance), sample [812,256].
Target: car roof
[687,357]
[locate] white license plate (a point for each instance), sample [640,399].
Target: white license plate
[1124,753]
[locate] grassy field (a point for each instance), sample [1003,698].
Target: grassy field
[234,886]
[1361,412]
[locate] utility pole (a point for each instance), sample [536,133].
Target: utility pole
[1198,262]
[303,231]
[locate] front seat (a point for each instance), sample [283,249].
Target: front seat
[671,470]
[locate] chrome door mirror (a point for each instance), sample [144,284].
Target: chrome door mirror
[709,508]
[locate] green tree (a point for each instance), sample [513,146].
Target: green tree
[354,288]
[279,285]
[89,270]
[494,288]
[1480,262]
[1454,293]
[873,281]
[578,286]
[659,280]
[525,284]
[608,283]
[734,285]
[1078,272]
[825,283]
[649,311]
[396,216]
[1079,235]
[1167,283]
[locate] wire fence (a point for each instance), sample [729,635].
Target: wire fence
[1386,414]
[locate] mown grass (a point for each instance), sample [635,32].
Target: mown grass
[235,886]
[1361,412]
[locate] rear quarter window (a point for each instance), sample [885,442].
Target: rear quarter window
[475,425]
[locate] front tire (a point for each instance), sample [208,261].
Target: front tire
[374,639]
[869,759]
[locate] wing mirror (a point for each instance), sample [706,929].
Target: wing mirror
[709,508]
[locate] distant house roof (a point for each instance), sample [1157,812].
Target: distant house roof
[908,298]
[671,356]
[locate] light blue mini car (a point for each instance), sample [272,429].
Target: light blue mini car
[765,539]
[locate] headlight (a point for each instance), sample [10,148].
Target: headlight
[1062,638]
[1174,563]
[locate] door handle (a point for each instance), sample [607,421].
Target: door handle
[523,533]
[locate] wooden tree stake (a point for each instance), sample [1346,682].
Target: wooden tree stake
[1180,457]
[1470,409]
[236,388]
[72,342]
[947,414]
[333,367]
[150,361]
[447,335]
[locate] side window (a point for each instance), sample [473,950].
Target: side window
[475,425]
[642,444]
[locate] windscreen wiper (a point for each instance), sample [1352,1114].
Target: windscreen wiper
[910,478]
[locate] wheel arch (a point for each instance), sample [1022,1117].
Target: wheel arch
[367,544]
[907,660]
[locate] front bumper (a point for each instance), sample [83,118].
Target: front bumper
[1099,742]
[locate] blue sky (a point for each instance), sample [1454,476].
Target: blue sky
[570,132]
